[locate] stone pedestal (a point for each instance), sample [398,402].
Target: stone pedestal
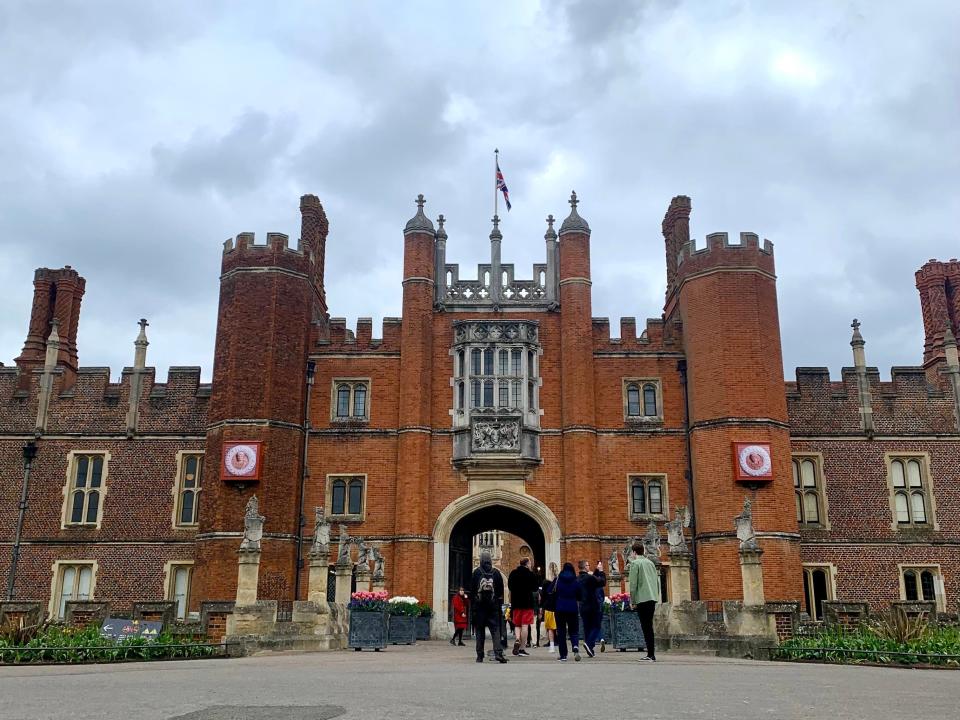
[363,578]
[613,584]
[248,577]
[317,579]
[680,576]
[343,580]
[752,573]
[379,584]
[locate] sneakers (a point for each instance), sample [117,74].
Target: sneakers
[590,650]
[461,644]
[453,641]
[522,653]
[479,658]
[576,656]
[563,659]
[603,645]
[501,659]
[552,650]
[646,659]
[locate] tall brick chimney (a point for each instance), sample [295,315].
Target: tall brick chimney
[56,294]
[939,286]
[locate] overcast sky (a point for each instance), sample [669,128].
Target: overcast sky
[136,136]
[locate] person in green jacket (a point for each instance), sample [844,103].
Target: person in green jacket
[644,593]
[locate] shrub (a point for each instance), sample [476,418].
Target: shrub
[424,610]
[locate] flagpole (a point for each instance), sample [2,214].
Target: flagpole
[496,164]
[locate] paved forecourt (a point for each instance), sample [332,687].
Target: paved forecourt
[434,680]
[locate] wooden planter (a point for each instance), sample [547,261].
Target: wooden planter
[626,631]
[423,628]
[402,630]
[367,630]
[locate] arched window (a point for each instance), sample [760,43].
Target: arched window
[488,362]
[460,395]
[908,482]
[515,356]
[503,362]
[476,356]
[650,400]
[488,393]
[920,584]
[85,488]
[461,369]
[646,495]
[633,400]
[343,401]
[531,396]
[475,400]
[503,390]
[807,489]
[338,495]
[355,505]
[517,402]
[189,489]
[359,401]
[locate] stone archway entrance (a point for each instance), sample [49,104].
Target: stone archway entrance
[495,509]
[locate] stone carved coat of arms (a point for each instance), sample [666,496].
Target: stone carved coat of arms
[492,435]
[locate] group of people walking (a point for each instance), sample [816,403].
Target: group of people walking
[561,602]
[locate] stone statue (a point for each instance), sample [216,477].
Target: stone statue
[378,573]
[675,537]
[614,564]
[363,555]
[744,525]
[343,554]
[321,533]
[651,543]
[252,527]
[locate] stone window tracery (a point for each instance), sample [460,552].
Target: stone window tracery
[189,485]
[817,588]
[808,490]
[642,400]
[647,496]
[910,488]
[86,487]
[922,583]
[73,581]
[350,400]
[345,496]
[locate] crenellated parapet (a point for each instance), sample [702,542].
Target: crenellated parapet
[913,402]
[651,339]
[461,292]
[94,404]
[340,338]
[245,251]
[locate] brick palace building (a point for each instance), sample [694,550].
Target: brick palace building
[494,403]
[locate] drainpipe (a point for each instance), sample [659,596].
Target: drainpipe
[694,578]
[29,454]
[304,474]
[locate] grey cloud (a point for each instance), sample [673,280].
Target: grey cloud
[239,161]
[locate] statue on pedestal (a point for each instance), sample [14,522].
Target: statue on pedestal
[651,543]
[744,526]
[321,533]
[614,564]
[378,573]
[252,527]
[675,537]
[343,555]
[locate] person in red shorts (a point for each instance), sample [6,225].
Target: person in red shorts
[522,584]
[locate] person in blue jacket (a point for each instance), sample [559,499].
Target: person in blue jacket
[569,594]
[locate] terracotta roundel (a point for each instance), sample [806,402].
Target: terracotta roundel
[241,460]
[752,461]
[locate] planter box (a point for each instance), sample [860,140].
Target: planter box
[402,630]
[367,630]
[423,628]
[625,627]
[606,629]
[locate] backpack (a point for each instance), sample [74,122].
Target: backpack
[485,589]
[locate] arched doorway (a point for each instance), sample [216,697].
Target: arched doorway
[511,512]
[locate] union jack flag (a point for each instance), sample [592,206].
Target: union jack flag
[502,187]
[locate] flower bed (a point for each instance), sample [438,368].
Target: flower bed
[890,640]
[57,644]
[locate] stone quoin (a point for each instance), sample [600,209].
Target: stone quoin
[494,403]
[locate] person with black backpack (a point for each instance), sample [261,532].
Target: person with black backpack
[486,588]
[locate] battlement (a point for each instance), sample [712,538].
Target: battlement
[651,339]
[94,404]
[340,338]
[914,402]
[720,241]
[247,241]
